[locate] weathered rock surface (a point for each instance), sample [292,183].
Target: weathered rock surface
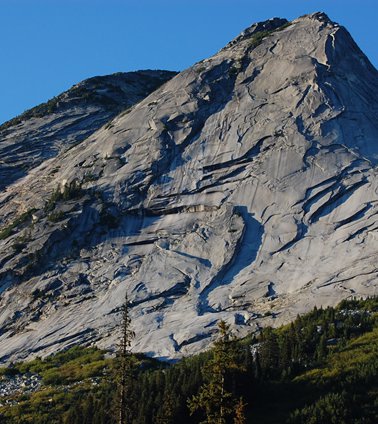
[44,131]
[245,189]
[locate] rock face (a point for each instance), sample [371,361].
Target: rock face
[61,123]
[243,189]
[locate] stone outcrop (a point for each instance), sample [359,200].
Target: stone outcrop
[243,189]
[43,132]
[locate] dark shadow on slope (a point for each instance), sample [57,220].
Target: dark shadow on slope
[244,255]
[202,261]
[302,230]
[247,247]
[339,198]
[220,83]
[87,230]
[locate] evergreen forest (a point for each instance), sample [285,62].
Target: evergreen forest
[321,368]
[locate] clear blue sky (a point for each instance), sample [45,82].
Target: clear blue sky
[46,46]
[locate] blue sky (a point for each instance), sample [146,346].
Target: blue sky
[46,46]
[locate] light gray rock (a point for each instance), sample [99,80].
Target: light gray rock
[44,131]
[244,189]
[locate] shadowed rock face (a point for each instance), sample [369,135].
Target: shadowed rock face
[244,189]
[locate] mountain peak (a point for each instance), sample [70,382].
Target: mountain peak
[274,24]
[263,26]
[268,25]
[230,193]
[319,16]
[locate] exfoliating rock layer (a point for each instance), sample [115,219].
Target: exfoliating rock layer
[244,188]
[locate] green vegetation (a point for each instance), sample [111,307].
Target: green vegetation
[349,380]
[258,37]
[21,241]
[70,191]
[215,396]
[89,178]
[50,403]
[56,216]
[108,219]
[67,367]
[87,94]
[123,370]
[320,369]
[36,112]
[8,230]
[233,71]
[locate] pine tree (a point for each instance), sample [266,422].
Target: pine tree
[257,372]
[240,412]
[124,368]
[88,409]
[321,350]
[166,412]
[72,416]
[213,397]
[285,353]
[269,353]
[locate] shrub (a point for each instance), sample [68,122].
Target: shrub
[56,216]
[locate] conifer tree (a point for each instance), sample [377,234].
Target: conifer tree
[257,372]
[269,353]
[88,409]
[240,412]
[321,349]
[124,367]
[284,353]
[166,412]
[213,397]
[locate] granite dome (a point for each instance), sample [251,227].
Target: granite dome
[245,188]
